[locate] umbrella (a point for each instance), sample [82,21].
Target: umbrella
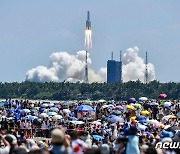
[154,103]
[12,110]
[41,109]
[111,116]
[152,121]
[1,104]
[137,106]
[31,118]
[10,118]
[132,100]
[177,137]
[117,119]
[52,113]
[101,101]
[44,115]
[133,118]
[130,107]
[37,122]
[143,99]
[161,96]
[168,103]
[144,112]
[96,122]
[98,137]
[87,102]
[67,111]
[119,107]
[141,119]
[138,118]
[73,118]
[104,106]
[26,110]
[84,108]
[172,129]
[166,106]
[111,106]
[77,122]
[141,127]
[57,117]
[54,109]
[117,112]
[168,117]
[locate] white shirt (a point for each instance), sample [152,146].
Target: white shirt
[5,150]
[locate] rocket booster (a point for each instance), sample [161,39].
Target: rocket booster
[88,22]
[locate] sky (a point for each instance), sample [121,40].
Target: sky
[31,30]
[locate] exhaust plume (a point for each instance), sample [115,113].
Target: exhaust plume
[65,67]
[70,68]
[134,67]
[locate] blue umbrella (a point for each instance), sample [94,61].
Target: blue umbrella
[98,137]
[132,100]
[166,106]
[31,118]
[73,118]
[1,104]
[112,116]
[10,110]
[18,109]
[41,109]
[84,108]
[141,118]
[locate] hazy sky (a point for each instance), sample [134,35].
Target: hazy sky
[31,30]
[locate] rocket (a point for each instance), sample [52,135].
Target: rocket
[88,22]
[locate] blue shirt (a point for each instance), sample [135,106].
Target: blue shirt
[132,145]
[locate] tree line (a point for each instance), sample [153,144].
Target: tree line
[94,91]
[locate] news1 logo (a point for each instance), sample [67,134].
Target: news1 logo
[168,145]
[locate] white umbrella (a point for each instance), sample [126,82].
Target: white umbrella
[67,111]
[168,103]
[44,115]
[166,118]
[57,117]
[77,122]
[167,126]
[154,103]
[141,127]
[111,106]
[104,106]
[26,110]
[152,121]
[54,109]
[52,113]
[101,101]
[143,99]
[96,122]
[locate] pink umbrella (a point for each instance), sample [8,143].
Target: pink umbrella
[162,96]
[119,107]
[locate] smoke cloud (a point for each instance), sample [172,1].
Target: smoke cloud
[66,67]
[134,67]
[71,68]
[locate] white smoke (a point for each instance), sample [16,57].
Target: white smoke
[65,67]
[134,67]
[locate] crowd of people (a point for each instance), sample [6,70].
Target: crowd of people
[77,127]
